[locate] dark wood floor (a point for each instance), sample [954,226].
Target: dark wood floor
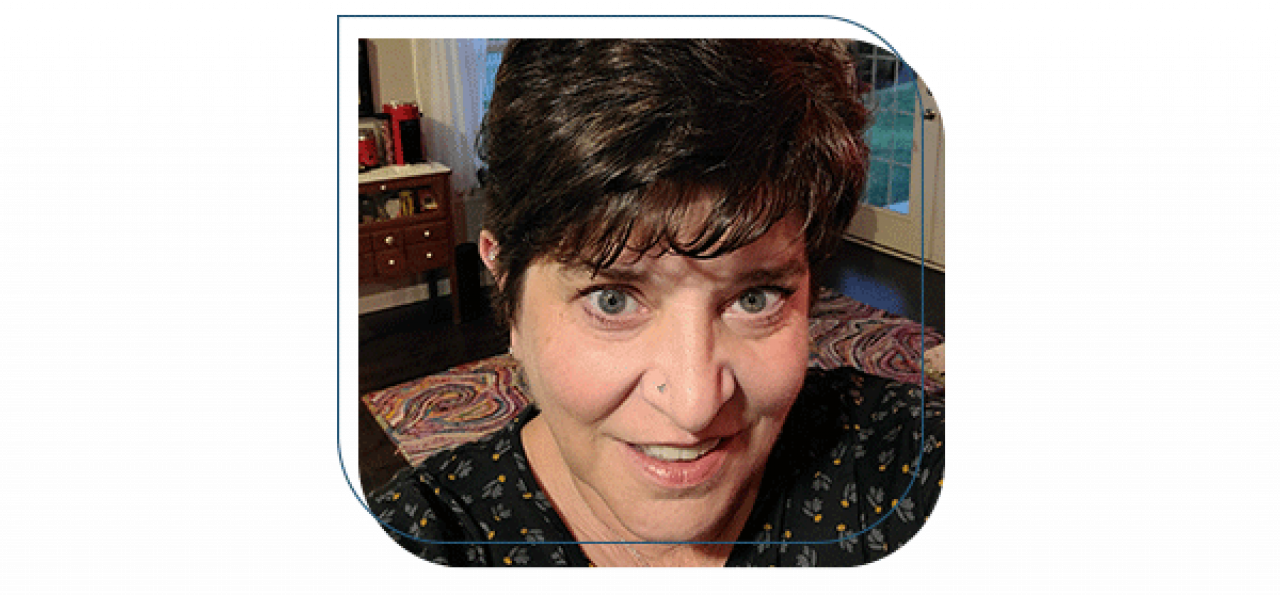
[400,344]
[408,342]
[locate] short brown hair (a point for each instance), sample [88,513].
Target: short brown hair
[595,146]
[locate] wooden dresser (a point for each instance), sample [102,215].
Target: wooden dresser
[406,224]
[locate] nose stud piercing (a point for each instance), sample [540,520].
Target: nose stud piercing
[662,388]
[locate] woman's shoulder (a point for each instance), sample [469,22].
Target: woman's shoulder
[833,401]
[854,475]
[844,407]
[475,505]
[427,509]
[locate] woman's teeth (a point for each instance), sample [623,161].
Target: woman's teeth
[677,453]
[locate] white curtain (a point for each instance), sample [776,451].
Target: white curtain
[450,86]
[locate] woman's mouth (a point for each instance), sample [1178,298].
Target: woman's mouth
[664,452]
[679,467]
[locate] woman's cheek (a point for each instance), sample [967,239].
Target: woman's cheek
[778,373]
[586,378]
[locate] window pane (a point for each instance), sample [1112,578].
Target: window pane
[878,184]
[903,129]
[900,188]
[492,59]
[890,137]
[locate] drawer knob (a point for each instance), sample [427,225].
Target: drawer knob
[391,262]
[426,233]
[429,256]
[390,240]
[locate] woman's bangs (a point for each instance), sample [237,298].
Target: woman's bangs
[685,219]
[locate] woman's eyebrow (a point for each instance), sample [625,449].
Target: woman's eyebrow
[773,274]
[614,274]
[621,275]
[761,275]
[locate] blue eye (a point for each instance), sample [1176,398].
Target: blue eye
[754,301]
[760,302]
[611,301]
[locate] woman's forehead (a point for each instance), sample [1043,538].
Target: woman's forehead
[777,255]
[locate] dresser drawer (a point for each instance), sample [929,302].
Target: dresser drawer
[386,239]
[368,265]
[428,255]
[390,263]
[427,232]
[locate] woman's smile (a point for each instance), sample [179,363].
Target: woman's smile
[680,468]
[665,452]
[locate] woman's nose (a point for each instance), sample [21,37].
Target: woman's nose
[693,378]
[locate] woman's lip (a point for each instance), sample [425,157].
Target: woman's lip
[676,474]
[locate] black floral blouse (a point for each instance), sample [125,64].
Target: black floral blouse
[855,473]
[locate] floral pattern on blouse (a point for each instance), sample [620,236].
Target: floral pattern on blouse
[855,473]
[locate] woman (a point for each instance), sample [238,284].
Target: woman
[656,208]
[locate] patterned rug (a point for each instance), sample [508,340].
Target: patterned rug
[440,411]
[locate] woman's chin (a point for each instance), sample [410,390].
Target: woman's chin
[681,522]
[711,515]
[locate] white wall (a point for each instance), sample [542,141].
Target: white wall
[391,71]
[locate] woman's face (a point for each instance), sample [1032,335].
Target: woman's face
[665,380]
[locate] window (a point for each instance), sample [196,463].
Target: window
[903,205]
[492,58]
[893,86]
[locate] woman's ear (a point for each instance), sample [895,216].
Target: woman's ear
[488,246]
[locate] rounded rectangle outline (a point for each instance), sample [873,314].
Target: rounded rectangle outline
[338,419]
